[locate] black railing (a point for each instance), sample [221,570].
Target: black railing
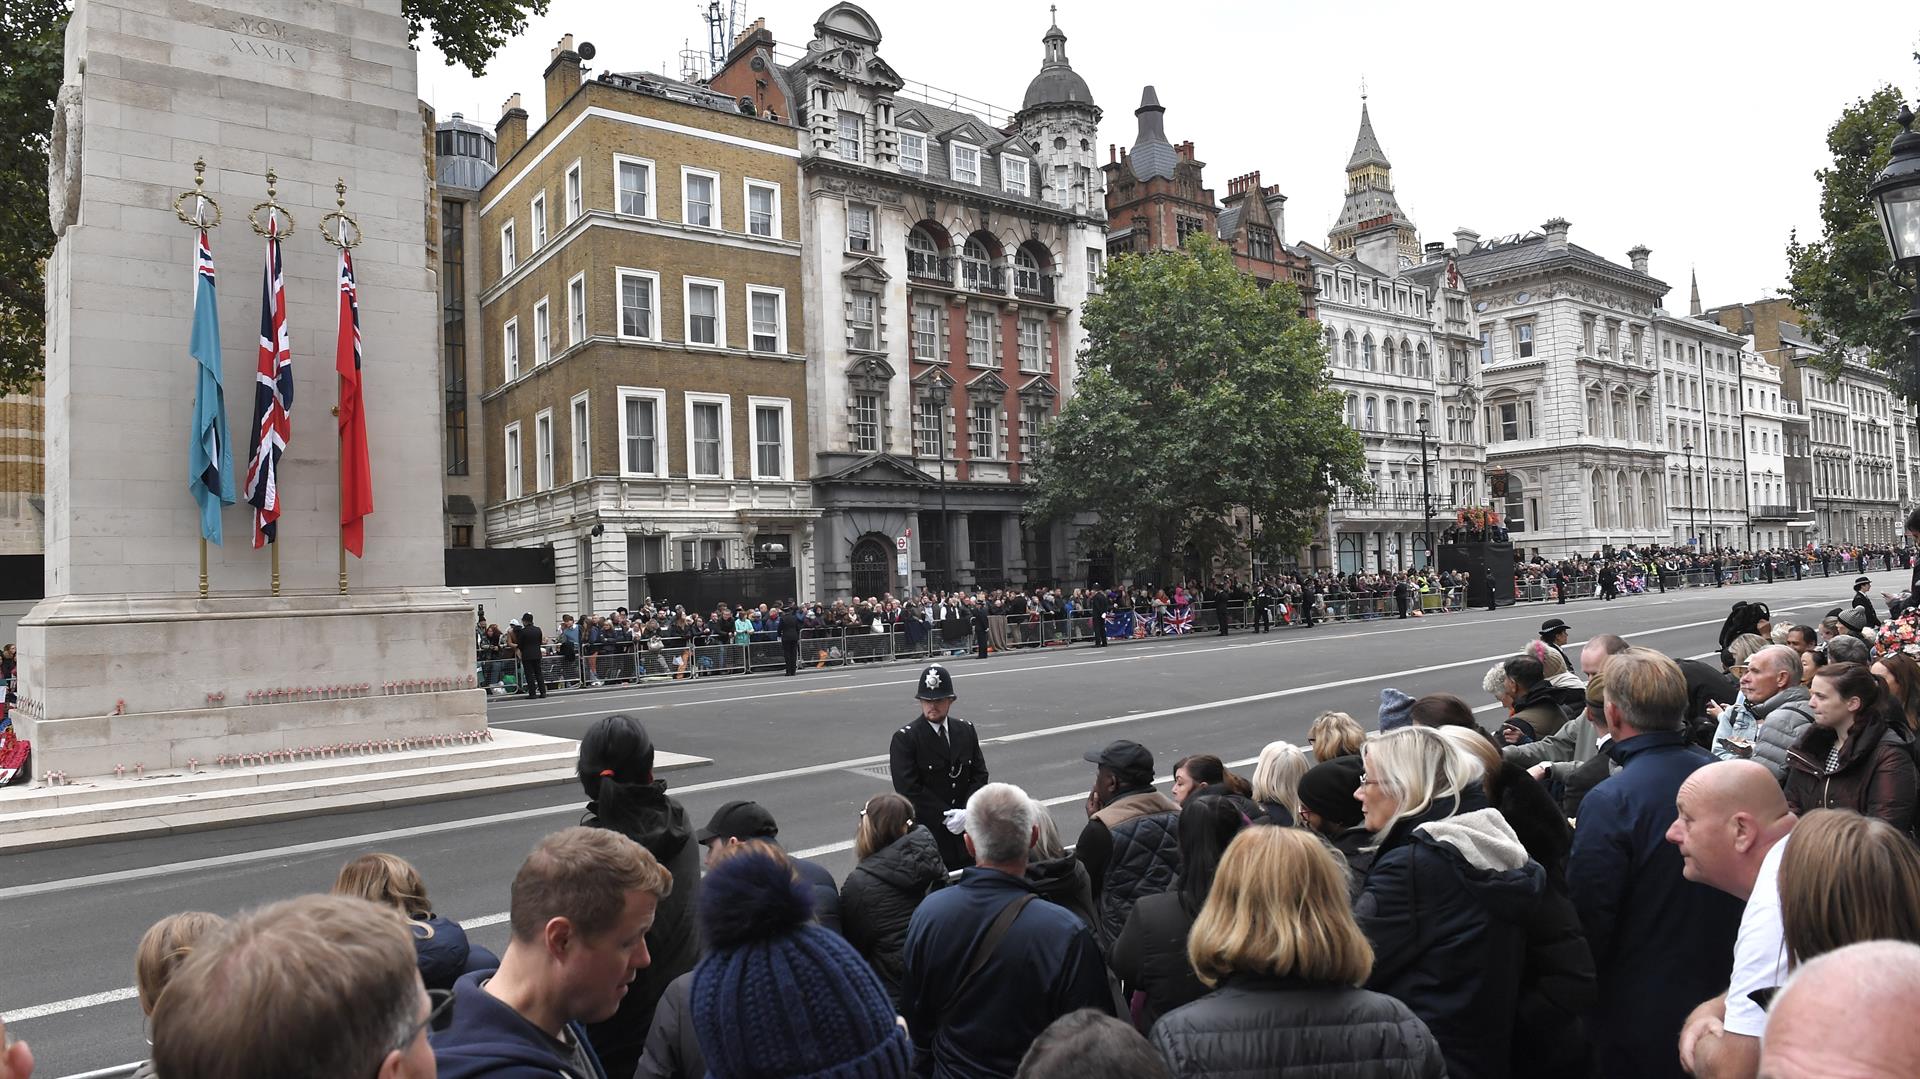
[922,266]
[1768,512]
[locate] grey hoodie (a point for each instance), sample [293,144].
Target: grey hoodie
[1783,717]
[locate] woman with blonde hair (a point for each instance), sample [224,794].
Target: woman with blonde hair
[1449,898]
[1056,875]
[1278,945]
[1335,734]
[899,863]
[440,946]
[165,945]
[1845,878]
[1276,782]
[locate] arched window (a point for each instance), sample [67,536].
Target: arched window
[1406,356]
[1619,416]
[923,254]
[1373,414]
[1599,484]
[976,265]
[1393,414]
[1623,495]
[1026,271]
[1333,346]
[1649,501]
[1353,411]
[1350,357]
[1366,352]
[1515,510]
[1424,370]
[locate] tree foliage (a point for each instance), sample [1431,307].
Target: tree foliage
[31,45]
[32,34]
[1840,281]
[469,32]
[1199,393]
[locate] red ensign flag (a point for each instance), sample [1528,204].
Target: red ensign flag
[356,471]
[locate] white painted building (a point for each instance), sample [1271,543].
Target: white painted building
[1706,464]
[1571,389]
[1764,423]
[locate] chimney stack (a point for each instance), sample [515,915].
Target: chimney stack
[1465,240]
[1434,251]
[563,75]
[1556,230]
[1638,255]
[1277,209]
[511,132]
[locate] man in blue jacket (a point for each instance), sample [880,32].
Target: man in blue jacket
[1043,965]
[582,904]
[1660,942]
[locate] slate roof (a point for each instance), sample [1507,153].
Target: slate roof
[1229,220]
[1366,147]
[941,124]
[1497,257]
[1152,155]
[1057,83]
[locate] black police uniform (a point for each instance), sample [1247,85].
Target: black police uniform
[937,770]
[527,639]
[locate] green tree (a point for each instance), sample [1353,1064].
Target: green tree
[32,34]
[1199,393]
[1840,281]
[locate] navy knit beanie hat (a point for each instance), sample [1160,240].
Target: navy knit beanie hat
[778,996]
[1396,709]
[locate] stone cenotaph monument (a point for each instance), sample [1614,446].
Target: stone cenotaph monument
[125,665]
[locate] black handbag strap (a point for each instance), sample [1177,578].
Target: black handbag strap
[989,943]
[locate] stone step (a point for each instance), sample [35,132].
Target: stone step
[525,761]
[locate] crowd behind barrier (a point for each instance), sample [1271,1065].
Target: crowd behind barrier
[670,645]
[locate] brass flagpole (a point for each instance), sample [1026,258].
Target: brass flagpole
[338,237]
[199,222]
[266,228]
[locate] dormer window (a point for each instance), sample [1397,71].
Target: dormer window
[966,163]
[913,152]
[1013,174]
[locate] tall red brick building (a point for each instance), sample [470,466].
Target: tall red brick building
[1157,196]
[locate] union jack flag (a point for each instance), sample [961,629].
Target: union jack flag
[1179,620]
[272,397]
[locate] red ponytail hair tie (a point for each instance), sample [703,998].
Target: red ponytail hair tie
[606,773]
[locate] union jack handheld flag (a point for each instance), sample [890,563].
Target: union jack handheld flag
[272,397]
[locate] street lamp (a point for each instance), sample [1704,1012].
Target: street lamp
[1896,195]
[1693,525]
[1426,486]
[937,396]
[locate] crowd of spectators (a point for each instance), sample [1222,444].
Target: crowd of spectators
[1740,897]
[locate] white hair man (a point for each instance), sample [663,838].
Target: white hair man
[1772,689]
[989,964]
[1847,1013]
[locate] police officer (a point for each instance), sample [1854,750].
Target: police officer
[527,640]
[936,765]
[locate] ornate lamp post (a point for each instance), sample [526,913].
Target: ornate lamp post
[1693,525]
[1426,487]
[937,396]
[1896,196]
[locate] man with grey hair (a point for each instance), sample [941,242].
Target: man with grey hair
[1848,649]
[1848,1012]
[1771,686]
[989,964]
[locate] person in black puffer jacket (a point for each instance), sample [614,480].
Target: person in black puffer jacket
[1151,955]
[440,946]
[899,865]
[1056,876]
[1279,944]
[1145,861]
[1449,899]
[616,768]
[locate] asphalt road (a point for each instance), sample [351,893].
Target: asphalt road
[811,748]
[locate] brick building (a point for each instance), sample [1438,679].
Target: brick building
[1157,196]
[947,251]
[642,299]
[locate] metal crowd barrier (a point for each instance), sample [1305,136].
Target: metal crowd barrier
[822,648]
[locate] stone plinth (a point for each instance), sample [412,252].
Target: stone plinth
[119,661]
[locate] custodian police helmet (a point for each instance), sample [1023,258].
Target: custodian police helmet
[936,684]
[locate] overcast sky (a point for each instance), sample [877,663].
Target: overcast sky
[1691,127]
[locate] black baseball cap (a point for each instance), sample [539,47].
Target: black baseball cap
[739,820]
[1127,758]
